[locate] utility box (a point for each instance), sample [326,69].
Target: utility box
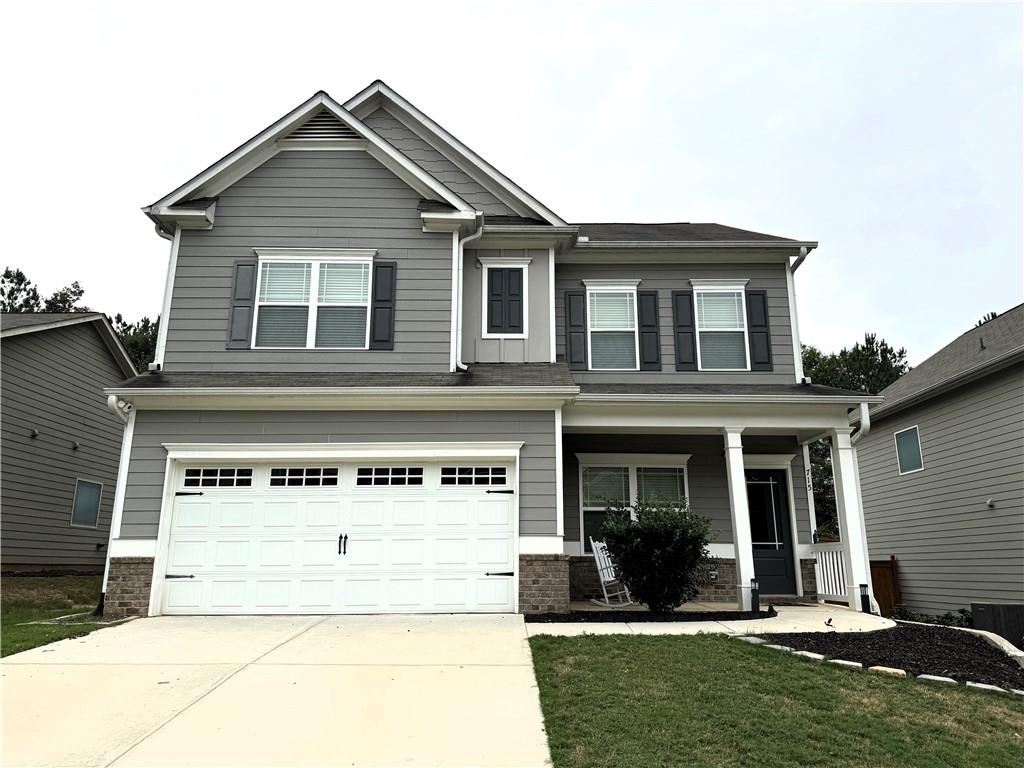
[1004,619]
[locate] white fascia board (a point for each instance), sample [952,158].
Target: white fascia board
[634,459]
[703,418]
[340,451]
[768,460]
[598,244]
[740,399]
[264,145]
[379,94]
[86,318]
[447,221]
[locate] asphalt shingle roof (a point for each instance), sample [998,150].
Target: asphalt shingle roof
[803,390]
[676,231]
[11,320]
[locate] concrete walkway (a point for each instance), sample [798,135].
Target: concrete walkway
[270,691]
[791,618]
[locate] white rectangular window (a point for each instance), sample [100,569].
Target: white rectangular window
[619,479]
[908,450]
[611,328]
[320,303]
[85,509]
[473,476]
[721,329]
[292,477]
[389,476]
[218,477]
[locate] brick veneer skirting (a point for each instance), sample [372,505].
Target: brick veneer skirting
[544,583]
[809,579]
[128,585]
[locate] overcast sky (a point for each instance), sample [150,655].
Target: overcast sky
[891,133]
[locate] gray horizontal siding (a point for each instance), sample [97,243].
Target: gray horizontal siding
[52,381]
[709,489]
[322,200]
[665,278]
[952,548]
[154,428]
[433,162]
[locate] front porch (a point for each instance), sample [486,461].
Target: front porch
[743,467]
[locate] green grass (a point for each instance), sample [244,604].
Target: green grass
[25,599]
[709,701]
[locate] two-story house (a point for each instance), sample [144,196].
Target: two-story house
[389,379]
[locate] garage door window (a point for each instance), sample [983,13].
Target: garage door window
[303,477]
[389,476]
[473,476]
[218,477]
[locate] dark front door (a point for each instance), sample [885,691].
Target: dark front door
[770,531]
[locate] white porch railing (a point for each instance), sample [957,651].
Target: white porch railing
[830,571]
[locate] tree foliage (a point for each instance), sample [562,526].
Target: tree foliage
[868,367]
[139,339]
[660,551]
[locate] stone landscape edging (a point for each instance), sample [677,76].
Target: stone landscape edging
[998,641]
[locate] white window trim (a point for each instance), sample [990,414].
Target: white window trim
[99,504]
[504,262]
[314,257]
[920,450]
[631,461]
[721,286]
[613,286]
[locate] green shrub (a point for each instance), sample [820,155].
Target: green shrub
[962,618]
[659,550]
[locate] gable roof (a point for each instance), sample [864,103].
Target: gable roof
[974,354]
[21,323]
[379,94]
[268,142]
[676,232]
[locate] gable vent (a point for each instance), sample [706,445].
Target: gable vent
[323,125]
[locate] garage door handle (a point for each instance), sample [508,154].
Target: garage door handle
[507,490]
[500,573]
[342,543]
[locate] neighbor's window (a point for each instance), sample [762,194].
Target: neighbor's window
[611,319]
[721,330]
[307,304]
[620,485]
[85,510]
[908,450]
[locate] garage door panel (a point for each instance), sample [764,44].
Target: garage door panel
[195,514]
[280,514]
[228,593]
[235,514]
[230,554]
[323,513]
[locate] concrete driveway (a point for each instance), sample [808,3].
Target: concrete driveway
[278,690]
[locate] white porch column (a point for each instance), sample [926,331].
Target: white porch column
[741,537]
[851,516]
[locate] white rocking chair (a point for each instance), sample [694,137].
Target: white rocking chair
[616,595]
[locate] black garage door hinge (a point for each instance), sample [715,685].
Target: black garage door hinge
[188,493]
[179,575]
[505,490]
[500,573]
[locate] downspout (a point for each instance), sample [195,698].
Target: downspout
[459,365]
[804,250]
[864,415]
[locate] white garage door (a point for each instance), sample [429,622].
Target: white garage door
[367,538]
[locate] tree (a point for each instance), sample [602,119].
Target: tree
[66,299]
[869,367]
[139,339]
[17,293]
[989,316]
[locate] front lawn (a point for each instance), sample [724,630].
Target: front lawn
[706,700]
[27,599]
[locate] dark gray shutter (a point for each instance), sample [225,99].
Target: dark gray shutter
[650,339]
[576,330]
[243,304]
[505,300]
[685,330]
[382,305]
[758,331]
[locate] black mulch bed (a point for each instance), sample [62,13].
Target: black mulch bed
[918,650]
[605,617]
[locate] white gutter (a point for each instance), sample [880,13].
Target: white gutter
[864,415]
[596,397]
[165,311]
[804,250]
[279,392]
[119,407]
[794,322]
[459,365]
[805,247]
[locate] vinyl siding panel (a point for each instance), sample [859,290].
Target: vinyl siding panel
[952,548]
[154,428]
[322,200]
[392,130]
[52,381]
[709,488]
[665,278]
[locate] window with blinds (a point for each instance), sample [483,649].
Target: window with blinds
[721,331]
[307,304]
[611,318]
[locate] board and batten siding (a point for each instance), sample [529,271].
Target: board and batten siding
[665,278]
[536,429]
[534,349]
[708,484]
[396,133]
[313,199]
[951,548]
[53,381]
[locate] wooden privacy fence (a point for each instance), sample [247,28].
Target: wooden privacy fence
[885,580]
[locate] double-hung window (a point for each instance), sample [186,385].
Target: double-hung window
[721,326]
[505,297]
[313,299]
[619,479]
[611,326]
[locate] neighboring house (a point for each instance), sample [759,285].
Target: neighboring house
[943,472]
[59,444]
[392,380]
